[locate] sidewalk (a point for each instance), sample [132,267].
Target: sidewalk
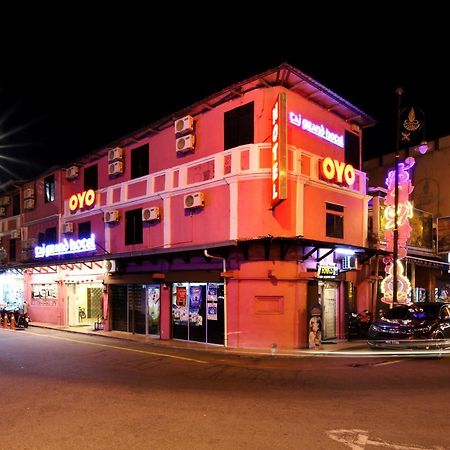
[347,348]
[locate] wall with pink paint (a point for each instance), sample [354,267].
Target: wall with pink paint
[266,311]
[315,215]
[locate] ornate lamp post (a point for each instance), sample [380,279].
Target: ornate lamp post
[399,210]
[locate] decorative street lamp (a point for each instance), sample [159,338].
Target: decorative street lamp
[398,209]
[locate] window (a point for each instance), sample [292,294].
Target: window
[12,249]
[139,162]
[133,227]
[16,204]
[239,126]
[49,189]
[47,237]
[41,238]
[351,147]
[91,178]
[84,230]
[50,235]
[334,221]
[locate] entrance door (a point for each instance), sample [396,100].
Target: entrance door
[329,310]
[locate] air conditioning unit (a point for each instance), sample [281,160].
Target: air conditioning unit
[4,201]
[115,154]
[28,244]
[68,228]
[195,200]
[184,125]
[150,214]
[15,234]
[349,263]
[185,143]
[109,265]
[28,193]
[115,168]
[2,211]
[72,172]
[111,216]
[28,203]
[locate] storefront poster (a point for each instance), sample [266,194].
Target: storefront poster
[181,296]
[195,297]
[153,302]
[195,303]
[212,311]
[212,302]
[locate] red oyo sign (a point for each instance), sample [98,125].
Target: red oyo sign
[79,201]
[336,171]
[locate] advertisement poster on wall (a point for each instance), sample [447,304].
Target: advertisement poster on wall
[212,302]
[195,303]
[179,308]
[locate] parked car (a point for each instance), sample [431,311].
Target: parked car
[417,325]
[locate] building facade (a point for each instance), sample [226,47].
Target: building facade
[228,223]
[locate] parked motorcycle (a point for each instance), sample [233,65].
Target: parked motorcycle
[358,324]
[22,319]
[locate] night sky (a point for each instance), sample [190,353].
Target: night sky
[66,95]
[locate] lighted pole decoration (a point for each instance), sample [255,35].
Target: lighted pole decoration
[398,209]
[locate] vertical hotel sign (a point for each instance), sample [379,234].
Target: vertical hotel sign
[279,151]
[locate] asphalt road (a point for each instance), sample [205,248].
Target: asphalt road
[67,391]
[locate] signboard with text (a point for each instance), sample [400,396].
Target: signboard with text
[279,151]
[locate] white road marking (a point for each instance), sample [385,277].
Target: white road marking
[164,355]
[386,363]
[358,439]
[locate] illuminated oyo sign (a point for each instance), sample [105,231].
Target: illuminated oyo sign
[66,247]
[339,172]
[317,129]
[79,201]
[279,151]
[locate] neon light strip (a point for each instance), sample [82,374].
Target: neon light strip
[66,247]
[317,129]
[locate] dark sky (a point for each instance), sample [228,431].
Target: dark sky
[67,94]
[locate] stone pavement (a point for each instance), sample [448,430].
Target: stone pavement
[344,348]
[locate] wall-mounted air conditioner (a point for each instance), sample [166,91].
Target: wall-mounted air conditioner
[28,193]
[29,243]
[2,211]
[349,263]
[115,168]
[109,265]
[184,125]
[115,154]
[111,216]
[72,172]
[68,228]
[185,143]
[5,201]
[150,214]
[28,203]
[15,234]
[195,200]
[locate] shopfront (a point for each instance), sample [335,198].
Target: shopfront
[136,308]
[198,312]
[11,290]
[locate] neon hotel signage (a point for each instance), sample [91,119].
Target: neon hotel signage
[316,129]
[279,151]
[66,247]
